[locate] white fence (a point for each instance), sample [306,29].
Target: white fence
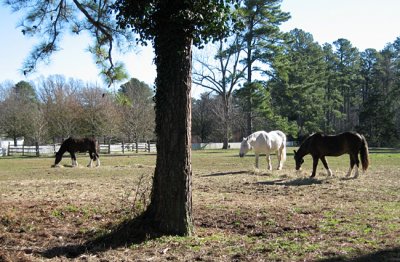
[235,145]
[196,146]
[120,148]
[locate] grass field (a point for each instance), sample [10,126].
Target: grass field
[240,214]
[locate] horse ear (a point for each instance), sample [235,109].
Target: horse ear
[294,151]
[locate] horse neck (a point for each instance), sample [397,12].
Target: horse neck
[250,139]
[303,149]
[63,149]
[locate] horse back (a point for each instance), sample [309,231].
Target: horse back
[335,145]
[81,144]
[265,142]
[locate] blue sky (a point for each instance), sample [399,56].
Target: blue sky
[366,23]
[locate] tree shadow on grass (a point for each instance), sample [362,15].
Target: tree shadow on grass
[296,182]
[129,232]
[226,173]
[392,254]
[348,178]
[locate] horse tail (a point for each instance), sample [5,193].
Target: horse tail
[364,153]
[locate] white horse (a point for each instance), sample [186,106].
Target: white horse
[263,142]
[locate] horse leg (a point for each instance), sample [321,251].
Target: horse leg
[325,163]
[91,159]
[96,156]
[73,159]
[269,161]
[357,162]
[257,160]
[315,164]
[352,163]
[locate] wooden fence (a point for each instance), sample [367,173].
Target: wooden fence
[121,148]
[23,150]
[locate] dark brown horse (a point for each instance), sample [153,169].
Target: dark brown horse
[74,145]
[319,146]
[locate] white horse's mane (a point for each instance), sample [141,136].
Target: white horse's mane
[251,137]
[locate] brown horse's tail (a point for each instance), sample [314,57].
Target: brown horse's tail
[364,154]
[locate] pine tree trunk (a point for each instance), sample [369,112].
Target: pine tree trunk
[170,210]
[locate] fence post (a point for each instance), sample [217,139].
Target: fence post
[123,147]
[109,146]
[37,149]
[137,146]
[148,145]
[23,149]
[8,149]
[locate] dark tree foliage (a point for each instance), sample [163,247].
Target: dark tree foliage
[262,39]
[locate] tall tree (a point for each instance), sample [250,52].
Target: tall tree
[380,95]
[62,107]
[222,77]
[25,91]
[297,87]
[348,80]
[136,102]
[173,26]
[333,95]
[17,108]
[261,40]
[99,116]
[203,122]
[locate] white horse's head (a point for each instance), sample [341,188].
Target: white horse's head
[244,147]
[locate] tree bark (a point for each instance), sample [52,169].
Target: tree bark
[170,210]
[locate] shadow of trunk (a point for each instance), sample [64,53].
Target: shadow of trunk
[129,232]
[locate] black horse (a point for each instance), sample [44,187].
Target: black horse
[73,145]
[319,146]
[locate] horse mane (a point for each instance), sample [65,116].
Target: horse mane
[308,139]
[306,142]
[249,137]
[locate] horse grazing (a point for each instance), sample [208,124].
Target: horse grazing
[319,146]
[263,142]
[73,145]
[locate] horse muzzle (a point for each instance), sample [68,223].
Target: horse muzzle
[241,154]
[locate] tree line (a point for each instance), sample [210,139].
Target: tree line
[310,87]
[303,87]
[55,108]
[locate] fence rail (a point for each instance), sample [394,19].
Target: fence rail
[104,149]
